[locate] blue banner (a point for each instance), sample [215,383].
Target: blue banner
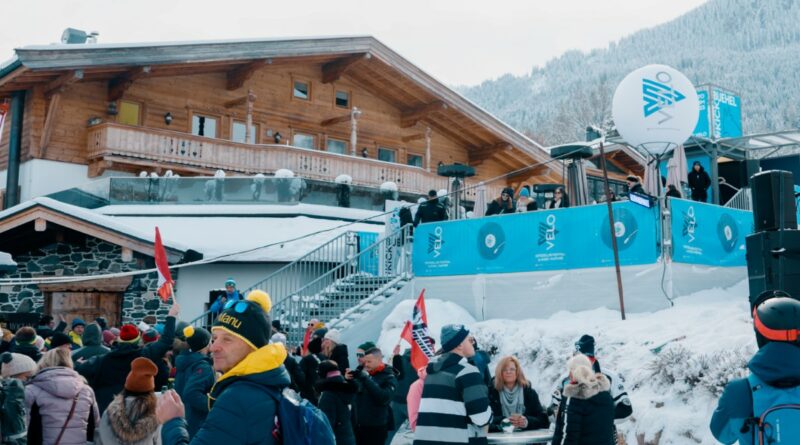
[571,238]
[709,234]
[702,121]
[726,116]
[368,263]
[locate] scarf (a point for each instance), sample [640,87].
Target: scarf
[512,401]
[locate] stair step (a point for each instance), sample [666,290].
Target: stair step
[345,295]
[365,279]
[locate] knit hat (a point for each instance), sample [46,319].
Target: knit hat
[328,367]
[585,345]
[230,282]
[102,322]
[509,191]
[632,178]
[59,339]
[321,332]
[248,319]
[198,338]
[452,336]
[524,192]
[366,346]
[141,379]
[334,336]
[179,327]
[115,331]
[15,364]
[26,335]
[128,334]
[108,337]
[278,338]
[78,322]
[150,336]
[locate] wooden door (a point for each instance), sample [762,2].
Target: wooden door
[86,305]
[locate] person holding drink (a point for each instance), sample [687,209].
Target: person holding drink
[515,405]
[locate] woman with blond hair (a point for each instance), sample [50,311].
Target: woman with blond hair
[511,397]
[586,413]
[61,407]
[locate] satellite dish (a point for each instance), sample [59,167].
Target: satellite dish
[655,108]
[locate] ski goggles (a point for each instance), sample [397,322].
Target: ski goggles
[789,335]
[238,306]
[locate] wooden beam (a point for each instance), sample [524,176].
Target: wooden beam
[118,85]
[335,120]
[117,284]
[40,224]
[62,81]
[127,254]
[250,97]
[47,131]
[237,77]
[481,154]
[332,71]
[13,75]
[527,174]
[410,118]
[413,137]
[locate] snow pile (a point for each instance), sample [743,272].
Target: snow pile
[284,173]
[389,186]
[6,260]
[344,179]
[439,314]
[675,361]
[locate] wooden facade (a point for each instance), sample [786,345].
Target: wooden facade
[158,91]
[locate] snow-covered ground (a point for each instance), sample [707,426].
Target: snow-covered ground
[675,361]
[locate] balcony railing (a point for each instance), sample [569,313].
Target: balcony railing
[119,142]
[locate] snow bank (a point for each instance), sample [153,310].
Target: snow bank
[439,313]
[284,173]
[674,361]
[389,186]
[343,179]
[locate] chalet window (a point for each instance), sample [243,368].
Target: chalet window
[238,132]
[204,125]
[387,154]
[130,113]
[414,160]
[343,99]
[301,90]
[336,146]
[304,140]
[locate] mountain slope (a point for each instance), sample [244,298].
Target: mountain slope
[749,46]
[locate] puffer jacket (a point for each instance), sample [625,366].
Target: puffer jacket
[242,403]
[586,416]
[49,396]
[194,378]
[336,401]
[92,343]
[127,424]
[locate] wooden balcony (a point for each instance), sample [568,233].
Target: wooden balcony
[110,144]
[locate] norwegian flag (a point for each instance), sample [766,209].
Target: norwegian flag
[164,278]
[417,335]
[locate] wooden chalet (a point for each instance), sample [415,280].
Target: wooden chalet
[317,106]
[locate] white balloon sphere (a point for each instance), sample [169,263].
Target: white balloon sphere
[655,108]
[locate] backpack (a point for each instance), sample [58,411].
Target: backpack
[12,412]
[776,414]
[299,422]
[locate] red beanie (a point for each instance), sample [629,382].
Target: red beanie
[150,336]
[128,333]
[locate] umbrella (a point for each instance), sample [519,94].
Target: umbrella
[577,183]
[480,201]
[678,163]
[651,177]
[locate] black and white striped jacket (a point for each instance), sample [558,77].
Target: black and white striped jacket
[454,404]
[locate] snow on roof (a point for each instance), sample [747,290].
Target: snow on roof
[312,210]
[6,261]
[118,45]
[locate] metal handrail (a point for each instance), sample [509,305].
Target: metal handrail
[346,285]
[742,200]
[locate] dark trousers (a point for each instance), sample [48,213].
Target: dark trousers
[371,435]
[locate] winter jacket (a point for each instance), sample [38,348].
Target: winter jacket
[553,204]
[194,378]
[309,365]
[374,397]
[414,397]
[121,426]
[336,399]
[406,375]
[77,341]
[339,354]
[453,398]
[49,396]
[622,402]
[498,207]
[586,416]
[218,304]
[295,373]
[537,418]
[430,211]
[92,344]
[107,373]
[778,365]
[28,349]
[13,417]
[46,331]
[698,184]
[242,403]
[637,188]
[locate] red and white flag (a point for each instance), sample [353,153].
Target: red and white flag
[417,335]
[164,278]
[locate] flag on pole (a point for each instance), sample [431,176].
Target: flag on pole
[417,335]
[164,278]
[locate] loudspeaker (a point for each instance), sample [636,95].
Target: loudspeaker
[773,262]
[774,207]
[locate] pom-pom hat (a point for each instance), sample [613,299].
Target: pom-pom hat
[197,338]
[248,319]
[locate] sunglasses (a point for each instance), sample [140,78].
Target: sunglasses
[360,355]
[238,306]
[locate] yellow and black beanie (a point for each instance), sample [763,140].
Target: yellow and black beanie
[197,338]
[248,319]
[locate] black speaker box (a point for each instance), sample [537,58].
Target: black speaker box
[773,262]
[774,206]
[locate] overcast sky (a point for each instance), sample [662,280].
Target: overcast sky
[461,42]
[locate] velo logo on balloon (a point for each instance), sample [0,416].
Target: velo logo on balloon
[655,108]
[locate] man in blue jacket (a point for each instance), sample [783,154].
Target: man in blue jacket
[242,403]
[775,373]
[231,294]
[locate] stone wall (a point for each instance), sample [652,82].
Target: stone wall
[93,256]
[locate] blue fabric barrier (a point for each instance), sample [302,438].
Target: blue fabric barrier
[709,234]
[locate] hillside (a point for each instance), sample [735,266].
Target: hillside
[749,46]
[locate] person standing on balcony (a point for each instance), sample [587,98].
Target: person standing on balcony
[560,200]
[231,294]
[699,182]
[525,203]
[504,204]
[431,210]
